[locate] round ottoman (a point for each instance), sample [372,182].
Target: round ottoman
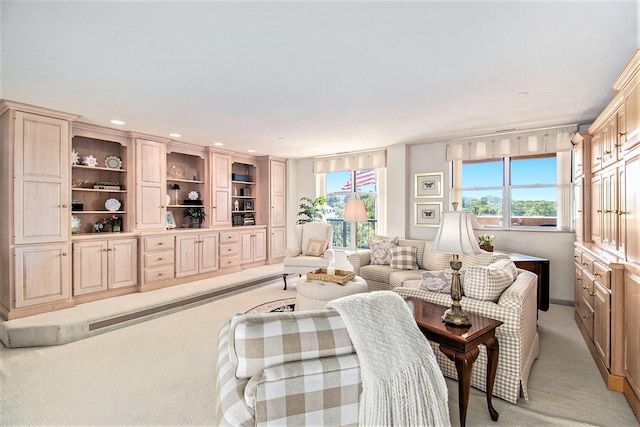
[315,294]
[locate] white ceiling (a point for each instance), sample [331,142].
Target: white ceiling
[300,79]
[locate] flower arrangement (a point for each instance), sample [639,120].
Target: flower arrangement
[486,239]
[113,223]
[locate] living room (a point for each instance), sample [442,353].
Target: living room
[413,137]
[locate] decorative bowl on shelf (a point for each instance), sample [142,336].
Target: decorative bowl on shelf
[112,205]
[113,162]
[79,182]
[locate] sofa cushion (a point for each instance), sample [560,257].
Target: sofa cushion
[399,277]
[434,261]
[486,283]
[381,251]
[258,341]
[403,258]
[376,273]
[419,245]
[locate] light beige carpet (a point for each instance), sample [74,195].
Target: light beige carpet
[162,372]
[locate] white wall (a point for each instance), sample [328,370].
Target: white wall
[403,162]
[301,183]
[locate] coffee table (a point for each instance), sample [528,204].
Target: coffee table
[460,345]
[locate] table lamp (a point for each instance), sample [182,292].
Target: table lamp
[355,212]
[455,237]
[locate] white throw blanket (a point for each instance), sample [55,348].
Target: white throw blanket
[401,381]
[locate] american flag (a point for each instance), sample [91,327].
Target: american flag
[363,177]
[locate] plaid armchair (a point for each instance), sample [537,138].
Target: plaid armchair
[296,368]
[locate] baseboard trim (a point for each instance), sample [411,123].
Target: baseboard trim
[197,299]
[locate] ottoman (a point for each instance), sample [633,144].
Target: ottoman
[315,294]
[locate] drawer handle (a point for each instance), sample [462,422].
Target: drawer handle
[599,211]
[585,263]
[229,250]
[104,250]
[160,243]
[584,316]
[64,254]
[598,158]
[64,206]
[160,259]
[579,279]
[592,293]
[607,211]
[228,237]
[585,287]
[160,274]
[597,273]
[621,134]
[575,256]
[623,213]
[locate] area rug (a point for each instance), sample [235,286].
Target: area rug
[279,305]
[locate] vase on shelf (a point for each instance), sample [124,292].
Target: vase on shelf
[486,248]
[116,226]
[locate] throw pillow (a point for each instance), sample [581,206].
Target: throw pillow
[316,247]
[438,281]
[403,258]
[486,283]
[380,251]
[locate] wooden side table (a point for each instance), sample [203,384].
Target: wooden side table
[539,266]
[460,345]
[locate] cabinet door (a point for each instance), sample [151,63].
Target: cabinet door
[122,261]
[630,215]
[41,206]
[260,245]
[221,189]
[277,243]
[246,247]
[90,267]
[42,274]
[208,252]
[632,326]
[610,141]
[186,255]
[596,151]
[578,152]
[596,209]
[278,196]
[602,322]
[578,208]
[150,184]
[609,208]
[632,116]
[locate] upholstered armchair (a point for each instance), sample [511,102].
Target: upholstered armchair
[313,240]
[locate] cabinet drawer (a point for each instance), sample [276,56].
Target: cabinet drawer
[160,243]
[229,250]
[577,256]
[158,274]
[229,261]
[602,274]
[229,237]
[156,259]
[587,262]
[585,312]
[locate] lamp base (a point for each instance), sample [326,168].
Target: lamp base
[456,317]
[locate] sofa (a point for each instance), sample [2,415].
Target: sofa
[516,307]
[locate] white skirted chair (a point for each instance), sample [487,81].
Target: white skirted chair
[313,240]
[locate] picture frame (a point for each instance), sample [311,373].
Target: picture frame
[248,205]
[429,184]
[171,221]
[428,214]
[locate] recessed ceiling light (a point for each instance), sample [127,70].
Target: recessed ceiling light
[251,151]
[175,135]
[117,122]
[523,93]
[218,144]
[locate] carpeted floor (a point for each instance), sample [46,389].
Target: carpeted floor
[162,372]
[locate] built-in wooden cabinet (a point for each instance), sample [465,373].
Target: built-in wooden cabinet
[196,253]
[185,184]
[253,245]
[274,208]
[229,250]
[103,264]
[158,253]
[606,276]
[35,164]
[220,189]
[244,196]
[151,200]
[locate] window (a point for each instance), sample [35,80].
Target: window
[340,188]
[512,192]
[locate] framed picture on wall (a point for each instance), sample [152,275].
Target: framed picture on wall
[429,184]
[171,222]
[428,214]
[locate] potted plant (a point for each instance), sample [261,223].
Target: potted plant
[486,242]
[195,215]
[312,210]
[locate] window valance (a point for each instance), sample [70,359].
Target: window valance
[538,141]
[350,161]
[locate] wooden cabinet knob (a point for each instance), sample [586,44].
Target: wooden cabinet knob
[64,254]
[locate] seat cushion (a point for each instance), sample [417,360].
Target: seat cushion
[399,277]
[306,261]
[376,273]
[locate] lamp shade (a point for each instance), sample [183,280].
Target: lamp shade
[355,211]
[175,187]
[455,235]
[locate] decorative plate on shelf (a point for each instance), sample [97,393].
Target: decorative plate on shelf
[112,205]
[90,161]
[193,195]
[176,171]
[168,199]
[113,162]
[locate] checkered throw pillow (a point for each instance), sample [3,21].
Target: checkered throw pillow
[380,251]
[263,340]
[488,283]
[403,258]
